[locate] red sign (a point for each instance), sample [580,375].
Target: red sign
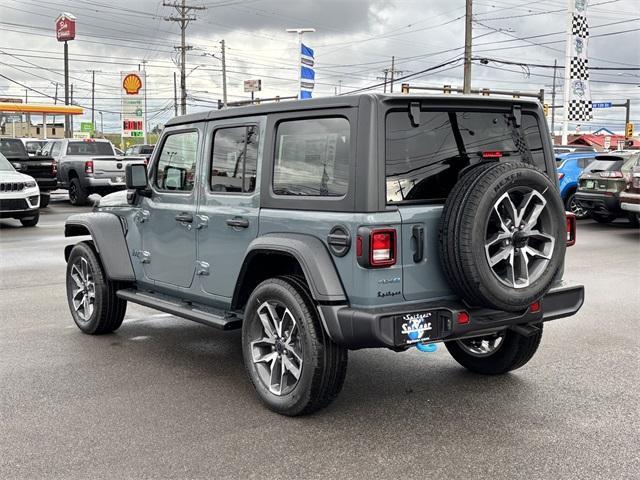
[65,27]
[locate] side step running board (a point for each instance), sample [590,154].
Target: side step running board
[196,313]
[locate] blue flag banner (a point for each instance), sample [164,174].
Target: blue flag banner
[307,73]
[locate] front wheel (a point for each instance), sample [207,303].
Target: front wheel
[495,354]
[91,296]
[31,221]
[294,366]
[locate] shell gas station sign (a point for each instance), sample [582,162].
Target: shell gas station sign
[132,86]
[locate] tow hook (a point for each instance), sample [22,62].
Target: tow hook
[427,347]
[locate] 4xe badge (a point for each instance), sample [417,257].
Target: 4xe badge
[417,326]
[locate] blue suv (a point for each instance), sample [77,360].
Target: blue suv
[328,225]
[570,167]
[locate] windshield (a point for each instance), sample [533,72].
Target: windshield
[89,148]
[5,166]
[423,162]
[11,147]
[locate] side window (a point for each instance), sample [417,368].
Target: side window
[312,157]
[235,158]
[176,168]
[55,149]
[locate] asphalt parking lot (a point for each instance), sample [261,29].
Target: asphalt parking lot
[166,398]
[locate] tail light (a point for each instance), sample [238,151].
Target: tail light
[492,154]
[383,248]
[571,229]
[376,247]
[54,168]
[88,166]
[560,175]
[611,174]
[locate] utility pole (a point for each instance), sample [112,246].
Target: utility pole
[224,75]
[553,101]
[183,20]
[93,98]
[386,75]
[55,102]
[468,32]
[393,67]
[175,95]
[627,105]
[71,116]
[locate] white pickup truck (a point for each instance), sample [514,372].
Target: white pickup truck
[87,166]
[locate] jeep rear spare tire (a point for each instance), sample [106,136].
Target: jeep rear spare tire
[502,236]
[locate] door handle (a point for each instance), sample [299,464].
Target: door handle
[417,239]
[238,222]
[184,217]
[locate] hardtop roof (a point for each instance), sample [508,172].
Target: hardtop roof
[338,102]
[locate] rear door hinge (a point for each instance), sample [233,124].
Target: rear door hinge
[142,216]
[202,221]
[202,268]
[143,255]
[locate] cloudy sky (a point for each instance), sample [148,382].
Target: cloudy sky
[354,42]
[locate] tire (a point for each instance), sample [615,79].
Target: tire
[513,352]
[572,206]
[77,195]
[44,199]
[602,218]
[634,219]
[470,216]
[321,372]
[107,311]
[31,221]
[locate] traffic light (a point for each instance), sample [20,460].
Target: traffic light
[546,109]
[628,133]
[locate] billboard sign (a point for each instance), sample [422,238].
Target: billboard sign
[86,127]
[252,85]
[65,27]
[132,85]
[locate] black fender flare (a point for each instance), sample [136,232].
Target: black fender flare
[314,259]
[108,236]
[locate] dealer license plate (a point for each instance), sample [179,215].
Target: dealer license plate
[417,327]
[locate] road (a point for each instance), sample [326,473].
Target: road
[166,398]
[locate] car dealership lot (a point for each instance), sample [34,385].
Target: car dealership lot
[164,397]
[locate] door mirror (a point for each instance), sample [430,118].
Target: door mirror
[136,176]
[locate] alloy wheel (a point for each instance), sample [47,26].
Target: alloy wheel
[83,292]
[277,354]
[518,241]
[576,209]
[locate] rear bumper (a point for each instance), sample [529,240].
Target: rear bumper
[46,184]
[115,182]
[630,202]
[599,203]
[366,328]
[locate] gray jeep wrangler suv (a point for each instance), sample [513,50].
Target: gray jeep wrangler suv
[333,224]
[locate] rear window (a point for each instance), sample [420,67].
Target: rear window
[89,148]
[604,165]
[11,147]
[33,146]
[423,162]
[312,157]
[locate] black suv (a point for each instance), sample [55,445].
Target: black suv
[326,225]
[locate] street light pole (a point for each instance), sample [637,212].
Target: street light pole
[101,125]
[300,31]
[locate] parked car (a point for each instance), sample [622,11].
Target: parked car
[87,166]
[144,151]
[338,223]
[601,184]
[630,198]
[560,149]
[19,195]
[42,167]
[570,166]
[33,145]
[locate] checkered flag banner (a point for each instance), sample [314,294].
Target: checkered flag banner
[579,105]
